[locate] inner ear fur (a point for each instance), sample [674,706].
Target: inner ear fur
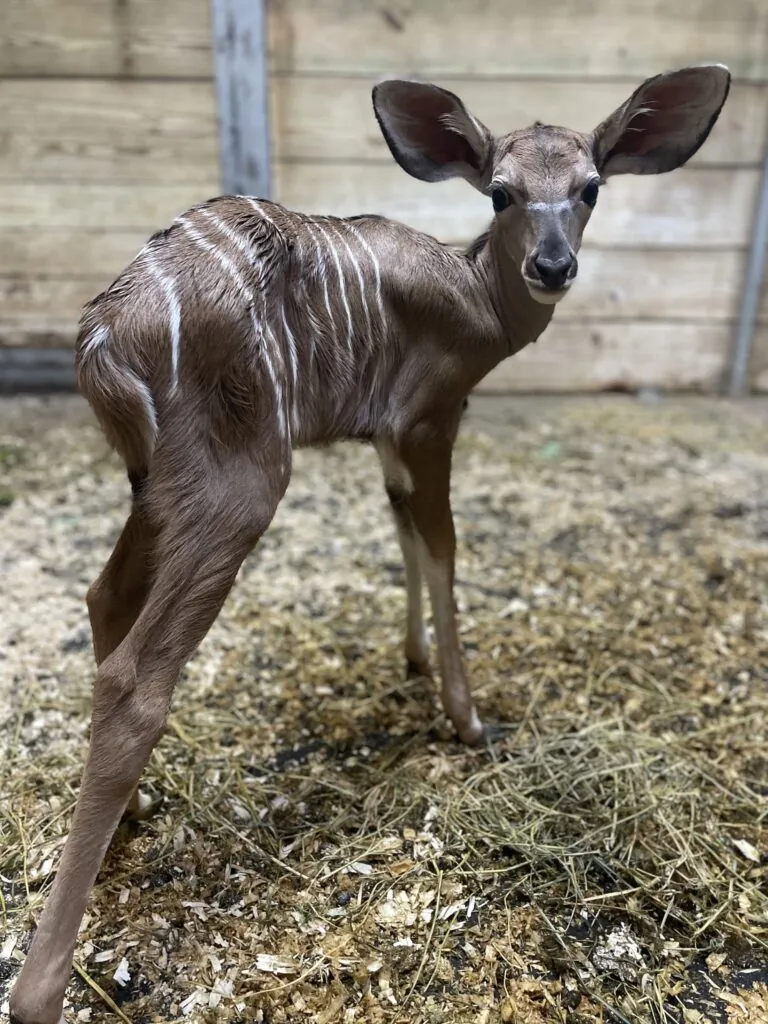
[431,134]
[663,123]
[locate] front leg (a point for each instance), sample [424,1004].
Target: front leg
[423,511]
[398,485]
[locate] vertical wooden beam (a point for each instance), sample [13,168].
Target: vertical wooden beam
[751,294]
[240,62]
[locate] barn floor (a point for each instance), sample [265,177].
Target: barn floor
[326,851]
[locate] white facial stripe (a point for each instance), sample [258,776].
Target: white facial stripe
[563,204]
[174,310]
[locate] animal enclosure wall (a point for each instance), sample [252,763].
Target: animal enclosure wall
[108,130]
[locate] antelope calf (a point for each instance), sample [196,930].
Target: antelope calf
[245,330]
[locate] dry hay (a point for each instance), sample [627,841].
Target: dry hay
[326,851]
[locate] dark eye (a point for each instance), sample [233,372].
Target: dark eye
[589,195]
[500,199]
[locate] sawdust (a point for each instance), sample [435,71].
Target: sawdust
[326,852]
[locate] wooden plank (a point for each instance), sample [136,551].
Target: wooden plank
[169,39]
[43,332]
[112,131]
[242,87]
[660,284]
[147,131]
[620,354]
[688,208]
[36,301]
[87,38]
[71,252]
[332,119]
[99,207]
[565,38]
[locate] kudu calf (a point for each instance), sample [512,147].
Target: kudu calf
[244,330]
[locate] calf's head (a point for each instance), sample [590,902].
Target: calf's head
[543,182]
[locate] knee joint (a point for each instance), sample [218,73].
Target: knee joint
[94,598]
[132,714]
[398,500]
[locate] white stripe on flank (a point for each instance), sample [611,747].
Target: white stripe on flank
[98,337]
[359,278]
[233,236]
[247,294]
[260,210]
[96,340]
[291,341]
[323,278]
[149,405]
[282,413]
[294,366]
[364,242]
[214,251]
[342,287]
[247,250]
[174,310]
[310,338]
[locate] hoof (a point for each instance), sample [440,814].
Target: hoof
[417,669]
[473,732]
[15,1019]
[141,807]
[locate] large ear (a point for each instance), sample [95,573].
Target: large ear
[431,133]
[663,122]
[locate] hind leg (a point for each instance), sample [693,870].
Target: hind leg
[115,600]
[208,519]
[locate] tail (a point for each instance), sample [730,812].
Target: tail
[121,400]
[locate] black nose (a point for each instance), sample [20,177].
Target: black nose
[554,274]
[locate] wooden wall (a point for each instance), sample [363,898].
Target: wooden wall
[108,130]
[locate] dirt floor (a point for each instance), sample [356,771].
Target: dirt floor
[326,851]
